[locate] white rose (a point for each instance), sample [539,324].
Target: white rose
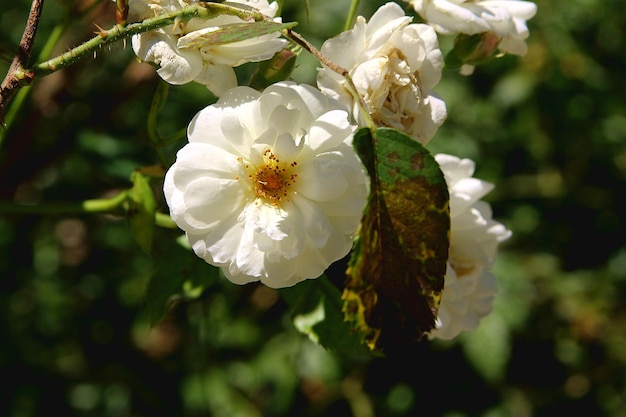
[505,18]
[393,65]
[269,187]
[210,65]
[469,287]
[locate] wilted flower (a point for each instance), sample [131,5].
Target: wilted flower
[506,18]
[393,65]
[469,287]
[269,187]
[211,65]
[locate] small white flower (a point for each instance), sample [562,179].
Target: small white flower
[469,287]
[210,65]
[393,65]
[269,187]
[505,18]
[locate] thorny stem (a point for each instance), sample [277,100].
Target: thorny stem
[19,76]
[104,37]
[363,108]
[16,75]
[22,94]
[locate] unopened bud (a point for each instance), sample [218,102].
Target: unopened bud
[276,69]
[121,12]
[476,49]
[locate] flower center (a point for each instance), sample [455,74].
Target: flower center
[271,179]
[403,96]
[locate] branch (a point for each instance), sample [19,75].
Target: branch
[16,76]
[104,205]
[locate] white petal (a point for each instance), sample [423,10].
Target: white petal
[447,17]
[250,50]
[220,244]
[321,179]
[388,19]
[200,159]
[313,220]
[176,66]
[209,200]
[327,132]
[218,78]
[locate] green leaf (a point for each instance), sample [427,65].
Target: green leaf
[179,273]
[317,312]
[396,273]
[141,210]
[234,32]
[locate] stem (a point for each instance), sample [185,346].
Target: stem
[104,205]
[354,5]
[164,220]
[364,110]
[112,205]
[18,75]
[114,34]
[158,102]
[22,94]
[12,81]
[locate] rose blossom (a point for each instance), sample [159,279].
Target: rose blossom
[269,187]
[469,287]
[393,65]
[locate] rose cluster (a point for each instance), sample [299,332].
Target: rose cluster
[268,187]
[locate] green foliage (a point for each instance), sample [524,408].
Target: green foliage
[141,209]
[548,129]
[396,272]
[177,276]
[317,312]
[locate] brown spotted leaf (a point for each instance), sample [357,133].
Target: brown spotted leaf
[396,273]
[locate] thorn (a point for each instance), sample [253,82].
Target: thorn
[101,31]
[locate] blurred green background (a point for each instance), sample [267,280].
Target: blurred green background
[548,129]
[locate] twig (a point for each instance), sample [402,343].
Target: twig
[19,76]
[363,108]
[16,76]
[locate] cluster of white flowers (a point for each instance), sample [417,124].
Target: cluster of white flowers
[469,286]
[269,187]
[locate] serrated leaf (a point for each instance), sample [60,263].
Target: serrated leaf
[396,273]
[234,32]
[317,312]
[141,208]
[175,274]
